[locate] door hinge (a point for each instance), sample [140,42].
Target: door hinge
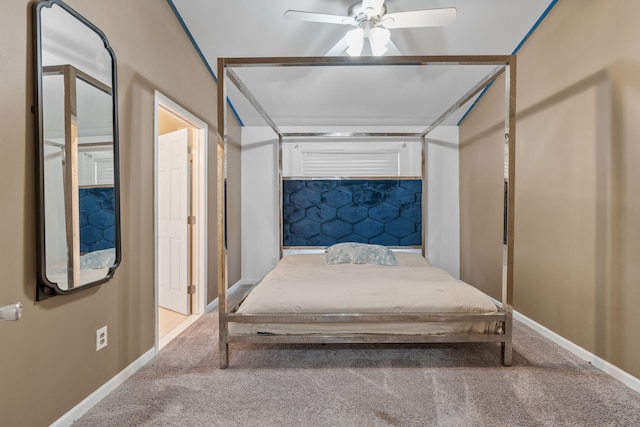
[191,220]
[189,149]
[191,289]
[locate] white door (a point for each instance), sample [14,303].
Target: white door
[173,210]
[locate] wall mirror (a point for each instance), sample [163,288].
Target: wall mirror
[77,151]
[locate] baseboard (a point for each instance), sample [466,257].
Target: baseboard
[90,401]
[606,367]
[213,305]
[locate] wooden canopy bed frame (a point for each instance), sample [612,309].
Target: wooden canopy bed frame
[503,314]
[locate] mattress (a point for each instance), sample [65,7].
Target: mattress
[304,283]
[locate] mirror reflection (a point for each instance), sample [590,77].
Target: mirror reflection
[79,218]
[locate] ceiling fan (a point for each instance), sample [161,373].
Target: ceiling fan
[372,22]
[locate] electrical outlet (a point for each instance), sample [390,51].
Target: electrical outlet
[101,338]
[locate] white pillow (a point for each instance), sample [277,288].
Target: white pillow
[360,253]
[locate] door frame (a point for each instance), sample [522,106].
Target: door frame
[200,134]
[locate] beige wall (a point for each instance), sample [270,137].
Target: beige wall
[48,361]
[578,166]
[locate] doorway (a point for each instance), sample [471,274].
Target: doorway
[180,200]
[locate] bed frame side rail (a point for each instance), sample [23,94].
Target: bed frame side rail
[503,333]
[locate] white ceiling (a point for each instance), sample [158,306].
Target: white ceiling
[353,96]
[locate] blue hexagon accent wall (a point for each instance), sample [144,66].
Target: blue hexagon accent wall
[97,219]
[324,212]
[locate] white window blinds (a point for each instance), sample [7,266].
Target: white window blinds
[352,159]
[104,172]
[350,163]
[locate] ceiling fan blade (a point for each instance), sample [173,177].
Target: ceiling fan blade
[372,7]
[299,15]
[420,18]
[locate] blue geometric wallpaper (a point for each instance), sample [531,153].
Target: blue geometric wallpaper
[324,212]
[97,220]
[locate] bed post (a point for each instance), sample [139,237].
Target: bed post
[507,345]
[425,194]
[280,216]
[222,249]
[509,203]
[509,179]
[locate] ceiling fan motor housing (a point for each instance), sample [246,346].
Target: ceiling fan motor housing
[360,15]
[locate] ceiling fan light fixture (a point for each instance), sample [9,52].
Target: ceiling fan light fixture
[377,49]
[354,37]
[378,38]
[355,50]
[355,41]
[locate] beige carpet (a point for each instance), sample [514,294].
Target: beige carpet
[366,385]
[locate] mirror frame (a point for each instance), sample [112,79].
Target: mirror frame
[45,288]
